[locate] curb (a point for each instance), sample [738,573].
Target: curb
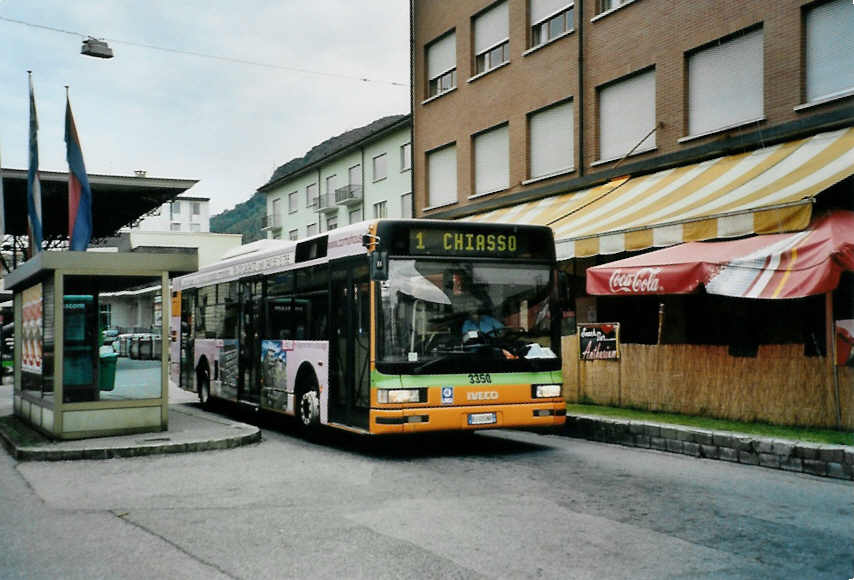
[155,444]
[834,461]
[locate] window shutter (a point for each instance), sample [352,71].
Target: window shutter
[830,49]
[442,55]
[442,175]
[491,160]
[541,9]
[551,140]
[490,27]
[626,115]
[725,85]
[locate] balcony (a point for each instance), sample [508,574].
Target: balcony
[271,222]
[349,194]
[323,204]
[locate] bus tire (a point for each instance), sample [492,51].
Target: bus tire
[307,402]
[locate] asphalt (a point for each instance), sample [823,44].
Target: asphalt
[192,429]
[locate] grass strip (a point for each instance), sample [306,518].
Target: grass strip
[814,435]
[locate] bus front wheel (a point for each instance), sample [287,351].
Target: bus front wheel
[309,411]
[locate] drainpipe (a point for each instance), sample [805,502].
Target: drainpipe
[580,94]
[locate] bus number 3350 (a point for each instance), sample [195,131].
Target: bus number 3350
[480,378]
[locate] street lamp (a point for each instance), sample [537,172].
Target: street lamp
[97,48]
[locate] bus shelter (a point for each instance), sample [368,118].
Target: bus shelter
[68,384]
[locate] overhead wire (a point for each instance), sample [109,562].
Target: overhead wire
[232,60]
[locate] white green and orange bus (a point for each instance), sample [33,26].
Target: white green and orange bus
[386,326]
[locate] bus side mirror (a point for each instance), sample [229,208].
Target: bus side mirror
[379,265]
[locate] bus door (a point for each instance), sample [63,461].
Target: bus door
[251,299]
[186,338]
[349,343]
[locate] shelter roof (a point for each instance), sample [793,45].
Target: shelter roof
[117,200]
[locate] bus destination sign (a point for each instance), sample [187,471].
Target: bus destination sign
[452,242]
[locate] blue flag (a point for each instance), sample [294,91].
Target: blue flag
[79,192]
[34,188]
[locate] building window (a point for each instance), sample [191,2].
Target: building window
[175,227]
[174,209]
[406,157]
[442,176]
[331,222]
[551,140]
[721,95]
[491,39]
[274,212]
[354,175]
[196,208]
[379,167]
[293,235]
[491,161]
[330,184]
[311,195]
[292,202]
[195,227]
[406,205]
[106,315]
[442,65]
[381,209]
[627,116]
[550,19]
[829,50]
[355,216]
[310,229]
[605,5]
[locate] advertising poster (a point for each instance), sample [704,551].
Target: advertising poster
[31,343]
[599,341]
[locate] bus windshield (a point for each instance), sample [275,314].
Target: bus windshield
[455,316]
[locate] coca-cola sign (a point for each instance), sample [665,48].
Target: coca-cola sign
[642,281]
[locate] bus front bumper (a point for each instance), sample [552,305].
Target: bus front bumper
[464,418]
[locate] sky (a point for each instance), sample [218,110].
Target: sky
[175,115]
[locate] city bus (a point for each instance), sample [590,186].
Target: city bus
[380,327]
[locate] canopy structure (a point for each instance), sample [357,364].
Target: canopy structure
[794,265]
[769,190]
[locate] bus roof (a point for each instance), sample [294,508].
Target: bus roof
[268,256]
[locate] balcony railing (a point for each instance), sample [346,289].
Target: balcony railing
[323,204]
[272,222]
[349,194]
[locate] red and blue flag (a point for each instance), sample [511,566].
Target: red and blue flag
[79,192]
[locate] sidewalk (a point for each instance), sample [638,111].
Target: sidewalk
[190,429]
[836,461]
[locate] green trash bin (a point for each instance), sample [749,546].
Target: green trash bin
[107,378]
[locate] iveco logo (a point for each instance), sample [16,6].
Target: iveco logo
[482,396]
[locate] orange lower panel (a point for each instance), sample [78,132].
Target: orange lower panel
[456,418]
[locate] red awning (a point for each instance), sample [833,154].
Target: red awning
[768,266]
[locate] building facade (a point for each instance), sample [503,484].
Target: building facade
[629,125]
[362,174]
[183,214]
[522,99]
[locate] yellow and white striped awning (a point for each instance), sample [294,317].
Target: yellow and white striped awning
[768,190]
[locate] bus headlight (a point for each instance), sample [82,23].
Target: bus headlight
[545,391]
[398,396]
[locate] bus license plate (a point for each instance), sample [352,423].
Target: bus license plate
[482,418]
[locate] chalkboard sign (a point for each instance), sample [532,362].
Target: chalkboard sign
[599,341]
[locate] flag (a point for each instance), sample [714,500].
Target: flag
[34,190]
[79,192]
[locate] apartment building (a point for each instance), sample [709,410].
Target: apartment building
[520,100]
[631,125]
[183,214]
[362,174]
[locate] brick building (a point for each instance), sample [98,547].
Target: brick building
[629,125]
